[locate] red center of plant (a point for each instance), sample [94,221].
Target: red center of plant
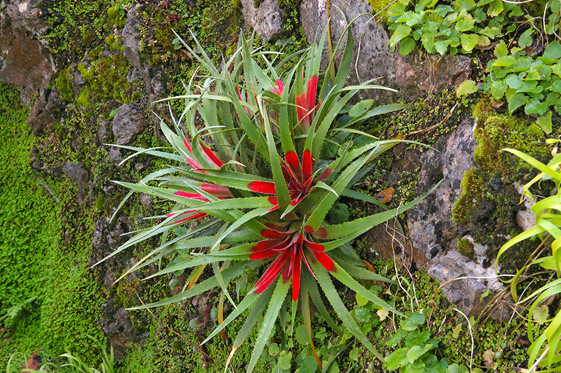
[288,248]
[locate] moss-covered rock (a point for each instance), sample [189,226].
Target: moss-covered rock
[488,203]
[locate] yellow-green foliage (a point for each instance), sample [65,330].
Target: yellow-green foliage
[107,80]
[380,7]
[504,131]
[465,247]
[471,193]
[38,269]
[63,85]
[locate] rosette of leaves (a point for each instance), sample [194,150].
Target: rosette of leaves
[455,27]
[259,159]
[545,348]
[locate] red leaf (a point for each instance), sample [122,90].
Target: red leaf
[311,95]
[187,145]
[196,196]
[265,187]
[279,88]
[211,156]
[198,215]
[324,259]
[321,233]
[307,165]
[297,263]
[325,174]
[294,163]
[217,190]
[315,246]
[194,165]
[272,272]
[270,233]
[270,244]
[263,254]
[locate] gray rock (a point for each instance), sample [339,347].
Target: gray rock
[131,40]
[525,219]
[372,58]
[25,14]
[127,123]
[115,155]
[466,292]
[119,330]
[131,37]
[146,200]
[103,131]
[430,222]
[266,20]
[24,59]
[76,172]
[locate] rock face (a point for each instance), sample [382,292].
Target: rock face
[433,232]
[266,19]
[76,172]
[372,58]
[131,40]
[466,292]
[430,225]
[24,61]
[127,123]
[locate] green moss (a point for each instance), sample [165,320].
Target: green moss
[44,249]
[417,122]
[489,198]
[64,86]
[83,99]
[465,247]
[289,4]
[472,192]
[380,7]
[107,80]
[503,131]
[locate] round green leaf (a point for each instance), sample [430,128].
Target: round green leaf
[516,101]
[469,41]
[525,39]
[553,51]
[513,81]
[465,88]
[406,46]
[400,33]
[545,123]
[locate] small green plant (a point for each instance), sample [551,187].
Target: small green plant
[73,363]
[545,348]
[528,81]
[259,162]
[417,347]
[458,26]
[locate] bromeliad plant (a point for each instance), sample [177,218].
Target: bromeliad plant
[253,182]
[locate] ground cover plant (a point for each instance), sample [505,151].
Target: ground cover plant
[450,27]
[259,160]
[525,70]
